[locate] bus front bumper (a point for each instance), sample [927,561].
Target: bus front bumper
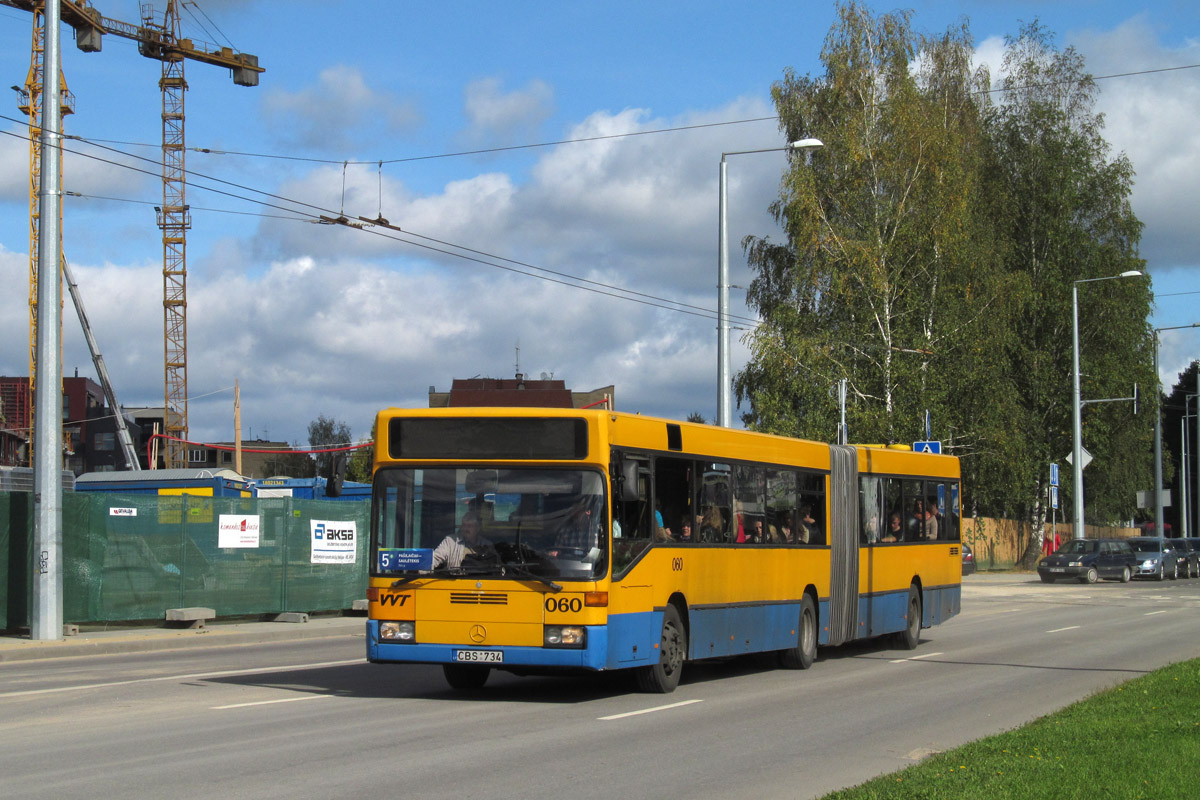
[590,657]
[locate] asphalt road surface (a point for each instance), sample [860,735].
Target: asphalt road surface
[312,719]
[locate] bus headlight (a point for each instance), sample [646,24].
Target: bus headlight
[564,636]
[405,632]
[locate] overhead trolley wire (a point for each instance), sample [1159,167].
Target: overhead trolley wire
[482,257]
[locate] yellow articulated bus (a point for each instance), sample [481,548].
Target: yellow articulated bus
[556,540]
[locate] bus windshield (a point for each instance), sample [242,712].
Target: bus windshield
[485,521]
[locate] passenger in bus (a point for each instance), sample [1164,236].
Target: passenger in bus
[895,530]
[933,520]
[870,531]
[468,541]
[661,532]
[685,529]
[712,525]
[756,534]
[808,526]
[916,523]
[577,531]
[785,529]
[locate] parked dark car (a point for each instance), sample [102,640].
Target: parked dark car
[1089,560]
[1189,561]
[1156,558]
[968,559]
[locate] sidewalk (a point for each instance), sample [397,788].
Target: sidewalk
[93,640]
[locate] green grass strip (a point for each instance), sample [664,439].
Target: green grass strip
[1137,740]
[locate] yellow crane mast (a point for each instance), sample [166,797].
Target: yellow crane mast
[160,41]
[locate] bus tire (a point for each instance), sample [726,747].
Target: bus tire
[803,655]
[663,677]
[908,638]
[466,676]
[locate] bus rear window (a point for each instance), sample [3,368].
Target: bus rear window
[549,439]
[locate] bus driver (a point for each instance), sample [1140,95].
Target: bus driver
[467,541]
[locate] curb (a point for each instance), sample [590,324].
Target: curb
[13,649]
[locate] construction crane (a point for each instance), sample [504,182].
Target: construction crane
[30,102]
[160,41]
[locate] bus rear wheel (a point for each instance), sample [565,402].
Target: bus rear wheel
[466,676]
[803,655]
[908,638]
[663,677]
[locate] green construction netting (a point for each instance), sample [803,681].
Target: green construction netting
[131,557]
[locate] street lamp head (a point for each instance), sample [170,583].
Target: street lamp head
[1133,273]
[805,144]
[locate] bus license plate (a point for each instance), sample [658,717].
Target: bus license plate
[479,656]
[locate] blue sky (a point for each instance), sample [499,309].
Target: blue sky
[322,320]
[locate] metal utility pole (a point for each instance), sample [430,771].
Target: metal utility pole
[724,381]
[46,617]
[1077,404]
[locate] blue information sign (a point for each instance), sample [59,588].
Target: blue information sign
[396,559]
[1054,475]
[927,447]
[1054,497]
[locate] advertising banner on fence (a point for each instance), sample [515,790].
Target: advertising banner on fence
[333,542]
[237,530]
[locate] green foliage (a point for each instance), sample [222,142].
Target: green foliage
[932,245]
[697,417]
[324,432]
[362,462]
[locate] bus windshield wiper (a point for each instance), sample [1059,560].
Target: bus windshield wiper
[521,572]
[442,572]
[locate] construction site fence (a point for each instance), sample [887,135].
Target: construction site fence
[132,557]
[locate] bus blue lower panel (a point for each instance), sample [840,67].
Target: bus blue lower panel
[736,629]
[886,613]
[591,657]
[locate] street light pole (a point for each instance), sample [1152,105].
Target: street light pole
[724,381]
[1076,404]
[1159,530]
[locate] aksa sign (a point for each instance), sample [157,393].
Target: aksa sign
[333,542]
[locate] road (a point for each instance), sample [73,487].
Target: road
[312,720]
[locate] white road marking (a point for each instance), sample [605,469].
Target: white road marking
[1152,613]
[650,710]
[916,658]
[193,676]
[1068,628]
[272,702]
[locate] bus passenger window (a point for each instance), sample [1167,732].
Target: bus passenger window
[781,525]
[672,497]
[632,524]
[812,498]
[950,517]
[715,503]
[871,508]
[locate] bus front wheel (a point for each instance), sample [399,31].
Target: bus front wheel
[466,676]
[802,656]
[908,638]
[663,677]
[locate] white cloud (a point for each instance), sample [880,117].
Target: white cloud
[1151,118]
[337,113]
[499,118]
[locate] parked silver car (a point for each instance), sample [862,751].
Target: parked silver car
[1157,558]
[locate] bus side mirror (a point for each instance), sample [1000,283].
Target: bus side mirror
[627,481]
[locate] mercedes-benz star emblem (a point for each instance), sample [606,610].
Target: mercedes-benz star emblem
[478,634]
